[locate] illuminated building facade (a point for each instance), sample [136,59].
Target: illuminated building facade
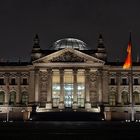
[69,75]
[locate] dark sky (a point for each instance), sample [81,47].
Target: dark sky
[20,20]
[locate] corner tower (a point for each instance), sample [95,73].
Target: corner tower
[101,50]
[36,51]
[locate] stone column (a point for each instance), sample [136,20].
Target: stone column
[130,87]
[32,87]
[105,87]
[87,94]
[49,90]
[43,87]
[6,100]
[118,76]
[61,103]
[100,87]
[18,98]
[75,105]
[36,86]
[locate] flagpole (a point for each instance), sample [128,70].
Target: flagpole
[129,66]
[132,100]
[131,84]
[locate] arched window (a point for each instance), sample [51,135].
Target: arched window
[136,97]
[24,98]
[1,97]
[112,99]
[125,97]
[12,99]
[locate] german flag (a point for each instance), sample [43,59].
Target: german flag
[128,60]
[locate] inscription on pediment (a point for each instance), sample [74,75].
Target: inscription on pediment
[68,57]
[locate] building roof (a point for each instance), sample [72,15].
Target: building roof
[14,63]
[69,43]
[121,63]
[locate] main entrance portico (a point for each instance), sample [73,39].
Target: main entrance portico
[67,81]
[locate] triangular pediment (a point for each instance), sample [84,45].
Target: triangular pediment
[69,56]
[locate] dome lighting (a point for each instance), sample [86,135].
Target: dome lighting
[69,43]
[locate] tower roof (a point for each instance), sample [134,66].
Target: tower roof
[100,42]
[36,41]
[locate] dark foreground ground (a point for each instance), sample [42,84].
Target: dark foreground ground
[74,130]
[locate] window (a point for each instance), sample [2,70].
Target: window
[81,88]
[136,97]
[24,81]
[24,98]
[1,81]
[68,88]
[56,88]
[112,81]
[56,94]
[65,84]
[1,97]
[13,81]
[125,98]
[112,99]
[12,100]
[136,81]
[124,81]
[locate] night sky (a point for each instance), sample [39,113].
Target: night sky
[20,20]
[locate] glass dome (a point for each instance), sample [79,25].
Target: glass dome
[69,43]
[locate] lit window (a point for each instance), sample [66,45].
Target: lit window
[81,88]
[68,88]
[55,88]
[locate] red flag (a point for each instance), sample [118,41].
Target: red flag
[128,60]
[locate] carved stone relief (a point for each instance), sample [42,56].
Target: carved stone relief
[68,57]
[93,88]
[43,86]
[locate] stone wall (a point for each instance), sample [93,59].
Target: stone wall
[15,113]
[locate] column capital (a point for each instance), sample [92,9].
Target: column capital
[87,72]
[49,71]
[61,70]
[36,72]
[75,70]
[99,72]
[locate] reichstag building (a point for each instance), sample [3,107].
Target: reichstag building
[69,75]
